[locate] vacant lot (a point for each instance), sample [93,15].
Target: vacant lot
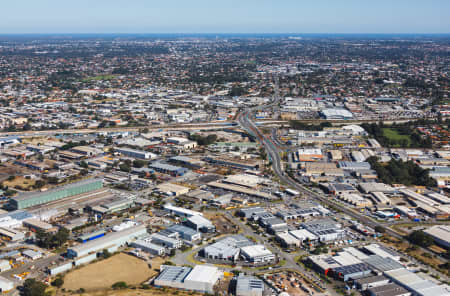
[20,182]
[101,275]
[138,292]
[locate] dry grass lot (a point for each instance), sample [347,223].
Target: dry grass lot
[25,184]
[138,292]
[101,275]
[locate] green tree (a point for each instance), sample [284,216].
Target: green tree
[31,287]
[420,238]
[58,282]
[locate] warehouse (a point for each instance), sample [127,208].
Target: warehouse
[336,114]
[249,212]
[91,236]
[11,234]
[440,234]
[352,271]
[249,286]
[325,229]
[199,223]
[240,189]
[168,169]
[33,199]
[172,189]
[172,276]
[168,242]
[117,239]
[227,248]
[202,278]
[182,212]
[6,285]
[184,232]
[37,225]
[135,153]
[388,290]
[60,268]
[382,251]
[188,162]
[371,282]
[146,246]
[304,235]
[257,254]
[415,283]
[4,265]
[287,240]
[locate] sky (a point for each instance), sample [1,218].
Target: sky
[225,16]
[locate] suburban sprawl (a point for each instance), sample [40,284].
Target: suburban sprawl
[225,165]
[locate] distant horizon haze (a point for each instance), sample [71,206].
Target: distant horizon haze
[220,17]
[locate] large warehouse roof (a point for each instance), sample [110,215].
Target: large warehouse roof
[203,273]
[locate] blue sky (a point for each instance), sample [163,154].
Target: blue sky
[225,16]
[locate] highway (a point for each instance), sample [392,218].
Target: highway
[245,120]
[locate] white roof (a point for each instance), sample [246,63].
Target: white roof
[203,273]
[256,251]
[440,231]
[303,234]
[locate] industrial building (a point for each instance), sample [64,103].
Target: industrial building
[257,254]
[165,241]
[91,236]
[135,153]
[146,246]
[5,285]
[182,212]
[440,234]
[4,265]
[201,278]
[249,286]
[226,249]
[185,233]
[33,199]
[171,189]
[11,234]
[169,169]
[199,223]
[113,239]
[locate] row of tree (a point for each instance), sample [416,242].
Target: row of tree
[398,171]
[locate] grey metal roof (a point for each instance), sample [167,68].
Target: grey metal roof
[382,264]
[173,273]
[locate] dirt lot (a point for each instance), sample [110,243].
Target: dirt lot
[101,275]
[23,183]
[223,225]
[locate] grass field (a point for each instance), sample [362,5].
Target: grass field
[101,275]
[394,135]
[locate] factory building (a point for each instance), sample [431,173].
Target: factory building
[168,169]
[440,234]
[11,234]
[172,276]
[135,153]
[249,286]
[182,212]
[388,290]
[185,233]
[146,246]
[4,265]
[91,236]
[201,278]
[38,198]
[5,285]
[165,241]
[257,254]
[199,223]
[227,248]
[115,239]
